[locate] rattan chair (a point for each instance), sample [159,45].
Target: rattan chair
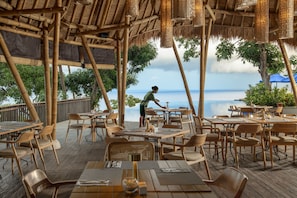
[230,183]
[14,150]
[36,182]
[78,123]
[248,135]
[214,137]
[42,141]
[110,134]
[121,150]
[103,122]
[185,117]
[191,151]
[282,134]
[153,117]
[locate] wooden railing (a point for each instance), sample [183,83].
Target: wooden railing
[20,112]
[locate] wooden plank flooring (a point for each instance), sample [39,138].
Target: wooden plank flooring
[279,181]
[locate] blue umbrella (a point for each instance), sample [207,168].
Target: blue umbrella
[275,78]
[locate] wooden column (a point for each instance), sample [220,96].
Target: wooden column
[119,82]
[289,68]
[55,68]
[202,73]
[96,72]
[47,76]
[18,80]
[181,69]
[125,62]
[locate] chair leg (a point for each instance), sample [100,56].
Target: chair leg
[56,155]
[19,166]
[236,156]
[271,158]
[42,158]
[66,134]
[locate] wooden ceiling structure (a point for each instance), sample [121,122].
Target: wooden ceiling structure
[93,32]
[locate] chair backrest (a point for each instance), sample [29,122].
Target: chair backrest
[248,128]
[121,150]
[196,140]
[233,181]
[25,137]
[74,116]
[112,118]
[47,130]
[110,130]
[284,128]
[171,126]
[35,182]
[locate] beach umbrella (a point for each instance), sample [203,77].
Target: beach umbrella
[275,78]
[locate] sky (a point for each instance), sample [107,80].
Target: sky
[223,75]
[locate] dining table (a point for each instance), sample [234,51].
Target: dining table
[266,122]
[161,178]
[158,135]
[93,115]
[170,111]
[8,127]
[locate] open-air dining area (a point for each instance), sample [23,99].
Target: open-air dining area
[58,140]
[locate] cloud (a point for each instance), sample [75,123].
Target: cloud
[166,61]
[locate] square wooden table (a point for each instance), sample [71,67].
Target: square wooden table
[163,179]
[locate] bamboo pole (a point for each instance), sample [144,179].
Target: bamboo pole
[96,72]
[181,69]
[18,79]
[47,76]
[119,77]
[62,78]
[125,62]
[32,11]
[289,68]
[202,73]
[55,68]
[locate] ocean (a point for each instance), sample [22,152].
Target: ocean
[216,102]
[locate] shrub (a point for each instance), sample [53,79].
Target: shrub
[260,95]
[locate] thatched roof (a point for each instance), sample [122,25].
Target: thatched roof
[103,22]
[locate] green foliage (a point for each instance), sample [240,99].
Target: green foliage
[131,101]
[192,47]
[260,95]
[32,77]
[140,57]
[225,50]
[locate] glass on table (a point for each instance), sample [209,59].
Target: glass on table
[130,185]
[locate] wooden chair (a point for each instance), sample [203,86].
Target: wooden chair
[282,134]
[36,182]
[110,134]
[185,117]
[214,135]
[42,141]
[102,122]
[78,123]
[121,150]
[230,183]
[248,135]
[154,117]
[14,150]
[191,150]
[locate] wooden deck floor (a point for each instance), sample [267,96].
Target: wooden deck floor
[279,181]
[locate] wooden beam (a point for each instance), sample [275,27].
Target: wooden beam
[100,30]
[181,69]
[210,11]
[125,63]
[32,11]
[202,73]
[289,68]
[19,24]
[55,68]
[96,72]
[47,76]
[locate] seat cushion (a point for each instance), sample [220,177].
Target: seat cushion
[177,155]
[21,151]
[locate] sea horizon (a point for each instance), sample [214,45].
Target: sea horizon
[216,102]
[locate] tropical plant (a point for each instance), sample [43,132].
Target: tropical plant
[261,95]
